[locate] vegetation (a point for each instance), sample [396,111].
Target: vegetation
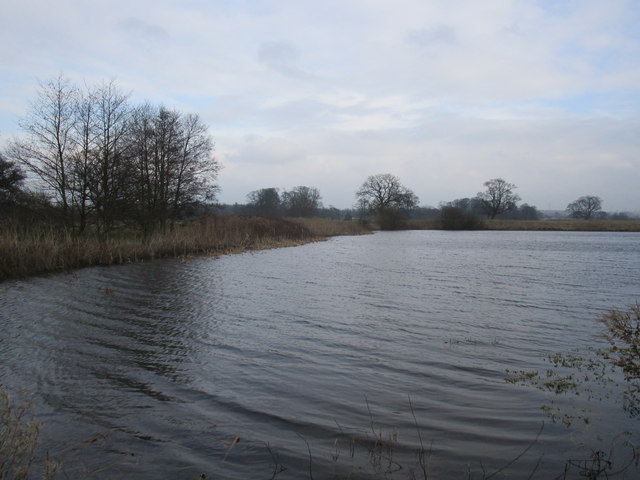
[19,434]
[384,197]
[525,225]
[564,225]
[595,374]
[455,218]
[585,208]
[104,162]
[299,202]
[498,198]
[42,249]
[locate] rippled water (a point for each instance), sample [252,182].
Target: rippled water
[155,370]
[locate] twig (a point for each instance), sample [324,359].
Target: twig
[277,468]
[310,457]
[519,456]
[422,451]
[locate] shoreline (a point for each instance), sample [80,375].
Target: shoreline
[49,250]
[43,251]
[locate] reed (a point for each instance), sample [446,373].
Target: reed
[325,227]
[44,249]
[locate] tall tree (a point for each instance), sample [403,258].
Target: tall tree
[585,207]
[173,166]
[48,144]
[195,167]
[83,157]
[498,197]
[110,174]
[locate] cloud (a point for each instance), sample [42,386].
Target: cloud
[432,36]
[140,30]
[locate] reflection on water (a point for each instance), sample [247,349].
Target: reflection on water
[152,370]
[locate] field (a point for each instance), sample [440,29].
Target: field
[542,225]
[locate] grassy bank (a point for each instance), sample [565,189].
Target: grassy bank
[38,250]
[565,225]
[543,225]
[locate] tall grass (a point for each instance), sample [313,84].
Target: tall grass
[325,227]
[42,249]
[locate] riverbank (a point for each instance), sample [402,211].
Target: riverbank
[40,250]
[544,225]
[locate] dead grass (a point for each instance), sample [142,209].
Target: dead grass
[325,227]
[44,249]
[565,225]
[18,440]
[544,225]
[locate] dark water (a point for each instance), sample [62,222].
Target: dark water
[151,371]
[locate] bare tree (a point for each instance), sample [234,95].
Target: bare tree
[384,192]
[47,148]
[83,156]
[585,207]
[498,197]
[301,201]
[106,161]
[195,167]
[384,196]
[110,173]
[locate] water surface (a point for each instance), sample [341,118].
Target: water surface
[306,354]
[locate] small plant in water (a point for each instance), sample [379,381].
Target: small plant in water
[18,440]
[592,374]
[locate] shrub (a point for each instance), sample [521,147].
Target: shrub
[454,218]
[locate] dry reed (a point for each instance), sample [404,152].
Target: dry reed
[19,434]
[44,249]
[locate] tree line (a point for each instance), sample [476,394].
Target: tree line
[104,161]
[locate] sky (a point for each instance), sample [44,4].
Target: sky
[444,94]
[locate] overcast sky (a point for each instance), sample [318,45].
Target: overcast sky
[445,94]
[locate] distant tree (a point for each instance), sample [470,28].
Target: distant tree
[528,212]
[456,218]
[330,212]
[523,212]
[301,202]
[498,198]
[620,216]
[585,207]
[385,197]
[384,191]
[11,182]
[264,202]
[424,213]
[469,205]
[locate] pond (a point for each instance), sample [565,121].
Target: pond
[357,357]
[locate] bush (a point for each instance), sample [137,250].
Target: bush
[454,218]
[392,219]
